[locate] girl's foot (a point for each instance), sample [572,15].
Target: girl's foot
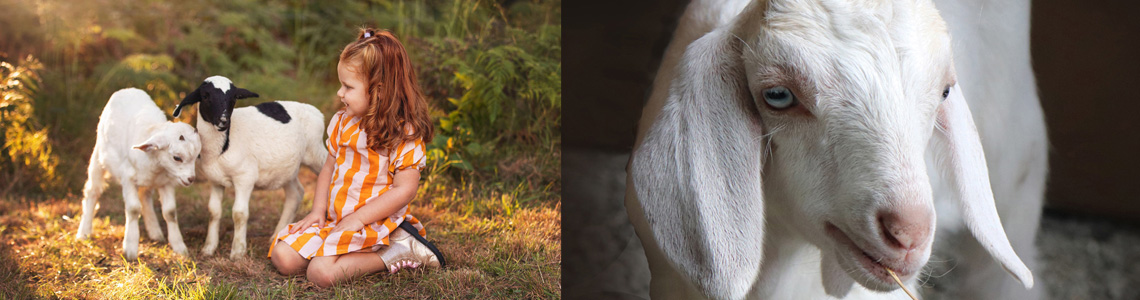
[404,251]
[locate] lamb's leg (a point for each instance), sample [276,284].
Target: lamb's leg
[170,214]
[293,193]
[148,216]
[241,218]
[133,208]
[91,192]
[215,219]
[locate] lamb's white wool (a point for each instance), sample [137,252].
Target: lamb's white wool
[221,83]
[737,193]
[260,147]
[136,146]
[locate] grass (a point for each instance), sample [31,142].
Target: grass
[496,246]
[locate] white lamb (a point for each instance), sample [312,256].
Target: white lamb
[139,148]
[257,147]
[793,148]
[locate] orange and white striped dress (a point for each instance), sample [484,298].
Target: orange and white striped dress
[360,176]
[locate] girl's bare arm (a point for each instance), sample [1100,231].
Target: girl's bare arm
[402,191]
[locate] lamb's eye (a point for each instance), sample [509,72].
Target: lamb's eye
[178,158]
[946,93]
[779,97]
[181,138]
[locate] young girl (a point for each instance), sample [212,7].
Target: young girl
[376,151]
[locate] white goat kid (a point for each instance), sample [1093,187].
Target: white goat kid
[264,149]
[852,115]
[137,146]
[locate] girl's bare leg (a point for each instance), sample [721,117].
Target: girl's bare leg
[326,271]
[287,260]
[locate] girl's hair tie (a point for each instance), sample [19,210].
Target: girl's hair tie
[368,34]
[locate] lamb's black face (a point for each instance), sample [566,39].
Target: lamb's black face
[217,107]
[217,97]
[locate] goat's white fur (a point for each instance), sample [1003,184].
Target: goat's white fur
[873,72]
[263,154]
[136,146]
[221,83]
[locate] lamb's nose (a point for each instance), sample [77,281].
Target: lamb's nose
[192,179]
[906,228]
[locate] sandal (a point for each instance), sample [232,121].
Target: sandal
[407,249]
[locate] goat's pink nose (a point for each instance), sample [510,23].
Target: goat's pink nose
[906,228]
[192,179]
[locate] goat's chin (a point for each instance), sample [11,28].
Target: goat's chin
[866,268]
[866,271]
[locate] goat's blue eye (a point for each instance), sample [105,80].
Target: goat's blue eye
[779,97]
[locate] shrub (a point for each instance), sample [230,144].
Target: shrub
[28,161]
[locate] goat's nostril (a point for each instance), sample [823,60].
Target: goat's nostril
[907,230]
[191,179]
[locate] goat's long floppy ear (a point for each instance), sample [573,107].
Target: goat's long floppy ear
[240,93]
[697,171]
[191,98]
[959,149]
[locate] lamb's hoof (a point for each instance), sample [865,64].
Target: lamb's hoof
[181,250]
[80,237]
[238,251]
[208,250]
[131,257]
[157,238]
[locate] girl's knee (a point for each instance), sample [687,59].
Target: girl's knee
[322,277]
[286,266]
[288,261]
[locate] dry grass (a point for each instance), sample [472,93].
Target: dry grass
[495,247]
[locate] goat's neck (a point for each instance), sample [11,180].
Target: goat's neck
[146,167]
[138,156]
[145,134]
[213,141]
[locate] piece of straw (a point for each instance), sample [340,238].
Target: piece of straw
[896,277]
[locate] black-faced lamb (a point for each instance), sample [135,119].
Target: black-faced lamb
[139,148]
[257,147]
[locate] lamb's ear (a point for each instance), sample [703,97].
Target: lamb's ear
[191,98]
[240,93]
[959,151]
[156,142]
[697,171]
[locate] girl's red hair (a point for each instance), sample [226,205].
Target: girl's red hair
[395,99]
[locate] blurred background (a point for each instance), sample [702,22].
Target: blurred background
[491,70]
[1084,58]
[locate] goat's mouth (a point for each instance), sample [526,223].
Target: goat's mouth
[220,125]
[867,267]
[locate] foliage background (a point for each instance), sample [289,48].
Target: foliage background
[491,71]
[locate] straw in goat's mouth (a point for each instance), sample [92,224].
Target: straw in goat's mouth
[896,277]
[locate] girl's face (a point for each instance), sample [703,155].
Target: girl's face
[353,89]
